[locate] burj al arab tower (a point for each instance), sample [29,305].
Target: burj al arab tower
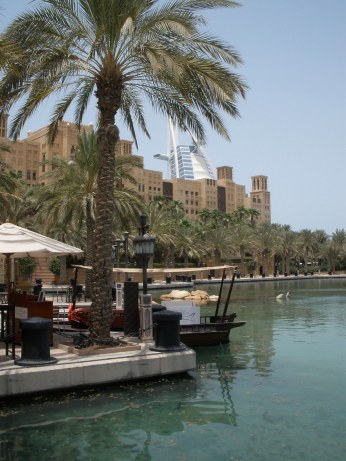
[185,161]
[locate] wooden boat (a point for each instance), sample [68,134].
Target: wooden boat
[211,330]
[208,333]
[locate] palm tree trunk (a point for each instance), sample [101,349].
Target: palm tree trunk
[265,263]
[90,224]
[109,96]
[217,257]
[242,260]
[186,259]
[169,257]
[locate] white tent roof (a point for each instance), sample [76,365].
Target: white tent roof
[20,242]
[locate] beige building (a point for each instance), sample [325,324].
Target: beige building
[260,198]
[24,155]
[221,193]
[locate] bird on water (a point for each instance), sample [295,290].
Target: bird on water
[282,295]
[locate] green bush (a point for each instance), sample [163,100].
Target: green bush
[54,266]
[27,266]
[251,265]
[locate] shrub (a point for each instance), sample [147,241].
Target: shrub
[27,266]
[54,266]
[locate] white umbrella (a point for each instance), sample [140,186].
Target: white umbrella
[17,242]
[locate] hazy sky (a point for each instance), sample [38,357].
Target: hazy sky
[293,121]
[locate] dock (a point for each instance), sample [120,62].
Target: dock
[132,360]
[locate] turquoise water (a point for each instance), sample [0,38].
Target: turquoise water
[276,392]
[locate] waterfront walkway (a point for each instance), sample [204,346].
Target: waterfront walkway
[58,292]
[132,360]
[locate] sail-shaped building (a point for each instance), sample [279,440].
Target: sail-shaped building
[185,161]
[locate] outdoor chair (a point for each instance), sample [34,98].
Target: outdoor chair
[80,294]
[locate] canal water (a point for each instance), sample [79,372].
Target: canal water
[275,392]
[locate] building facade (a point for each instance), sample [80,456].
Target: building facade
[27,158]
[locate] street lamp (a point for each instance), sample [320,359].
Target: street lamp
[144,246]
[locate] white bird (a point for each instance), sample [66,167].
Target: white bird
[282,295]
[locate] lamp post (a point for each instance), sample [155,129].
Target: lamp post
[144,246]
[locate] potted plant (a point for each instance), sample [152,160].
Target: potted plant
[27,266]
[251,265]
[54,266]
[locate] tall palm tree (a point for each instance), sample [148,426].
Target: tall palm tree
[120,51]
[67,201]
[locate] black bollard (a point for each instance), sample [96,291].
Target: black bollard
[35,342]
[156,308]
[167,332]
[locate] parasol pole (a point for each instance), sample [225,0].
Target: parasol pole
[74,289]
[8,271]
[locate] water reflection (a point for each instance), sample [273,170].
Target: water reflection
[213,364]
[281,375]
[126,417]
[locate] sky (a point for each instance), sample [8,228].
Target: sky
[293,121]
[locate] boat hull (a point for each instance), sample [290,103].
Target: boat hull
[210,332]
[207,334]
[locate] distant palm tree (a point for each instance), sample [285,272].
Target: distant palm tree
[287,246]
[307,245]
[242,235]
[11,187]
[266,243]
[190,245]
[334,248]
[218,241]
[164,219]
[119,51]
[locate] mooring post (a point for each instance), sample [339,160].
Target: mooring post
[146,317]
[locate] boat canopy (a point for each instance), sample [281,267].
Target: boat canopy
[166,270]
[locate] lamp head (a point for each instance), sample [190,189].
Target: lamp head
[144,245]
